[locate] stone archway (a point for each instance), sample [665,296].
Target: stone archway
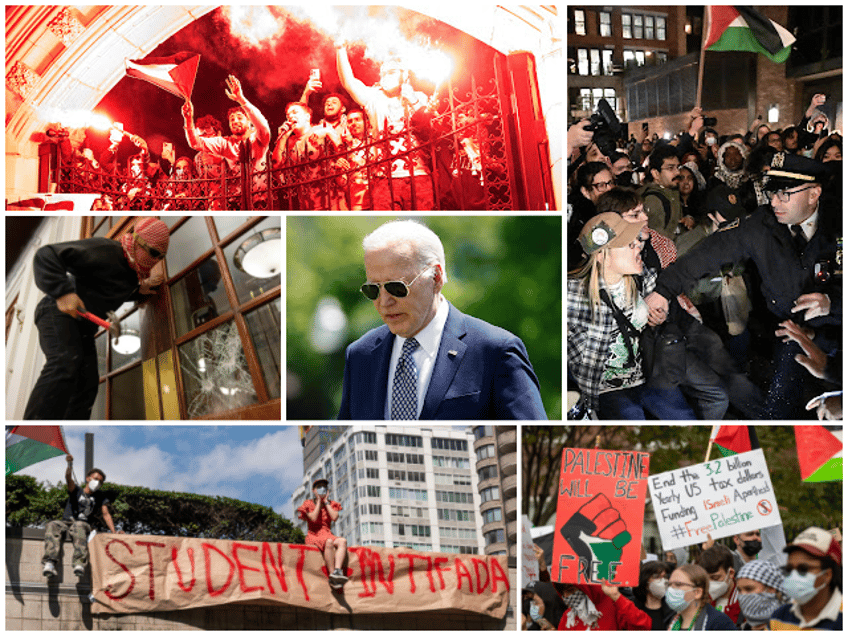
[61,56]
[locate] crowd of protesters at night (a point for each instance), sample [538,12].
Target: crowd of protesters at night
[385,147]
[705,272]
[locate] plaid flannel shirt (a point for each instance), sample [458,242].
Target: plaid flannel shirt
[589,340]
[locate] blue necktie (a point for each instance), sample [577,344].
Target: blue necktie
[405,384]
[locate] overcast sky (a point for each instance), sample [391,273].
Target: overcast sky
[259,464]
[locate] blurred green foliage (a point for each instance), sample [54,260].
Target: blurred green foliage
[138,510]
[505,270]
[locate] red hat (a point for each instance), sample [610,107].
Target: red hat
[818,543]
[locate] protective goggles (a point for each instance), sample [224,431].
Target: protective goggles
[396,288]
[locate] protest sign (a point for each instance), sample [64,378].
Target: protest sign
[155,573]
[600,509]
[721,497]
[529,562]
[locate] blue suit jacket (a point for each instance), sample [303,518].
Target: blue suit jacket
[481,372]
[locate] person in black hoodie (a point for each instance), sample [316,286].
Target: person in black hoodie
[593,179]
[95,275]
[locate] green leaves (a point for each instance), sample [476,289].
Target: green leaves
[143,511]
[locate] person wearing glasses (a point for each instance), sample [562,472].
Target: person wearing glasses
[793,242]
[813,580]
[95,275]
[429,361]
[593,179]
[688,595]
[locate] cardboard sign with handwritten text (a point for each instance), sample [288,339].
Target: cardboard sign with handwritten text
[600,509]
[133,573]
[721,498]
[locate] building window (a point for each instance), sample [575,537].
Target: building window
[369,437]
[662,57]
[495,536]
[489,494]
[649,27]
[484,452]
[640,58]
[487,472]
[585,99]
[595,61]
[201,370]
[403,440]
[491,516]
[626,28]
[371,455]
[579,22]
[606,61]
[638,32]
[372,473]
[582,61]
[605,24]
[660,22]
[609,95]
[483,431]
[449,444]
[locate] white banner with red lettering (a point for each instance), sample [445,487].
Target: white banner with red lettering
[135,573]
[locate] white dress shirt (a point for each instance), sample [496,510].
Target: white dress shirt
[429,339]
[810,225]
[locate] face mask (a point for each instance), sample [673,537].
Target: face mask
[534,611]
[658,588]
[674,599]
[93,485]
[801,588]
[751,548]
[710,141]
[758,608]
[717,589]
[321,490]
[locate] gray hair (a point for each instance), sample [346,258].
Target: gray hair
[426,245]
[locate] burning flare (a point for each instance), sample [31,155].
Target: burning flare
[380,29]
[69,118]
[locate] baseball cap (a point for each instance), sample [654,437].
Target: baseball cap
[608,230]
[818,543]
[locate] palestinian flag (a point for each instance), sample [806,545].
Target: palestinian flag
[819,452]
[745,29]
[28,445]
[732,440]
[175,74]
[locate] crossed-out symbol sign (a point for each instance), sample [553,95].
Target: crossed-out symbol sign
[764,507]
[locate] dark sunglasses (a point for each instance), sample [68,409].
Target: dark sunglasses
[802,569]
[396,288]
[154,253]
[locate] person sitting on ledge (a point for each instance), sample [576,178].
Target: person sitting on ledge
[319,514]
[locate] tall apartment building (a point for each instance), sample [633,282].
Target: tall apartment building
[401,486]
[495,448]
[606,41]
